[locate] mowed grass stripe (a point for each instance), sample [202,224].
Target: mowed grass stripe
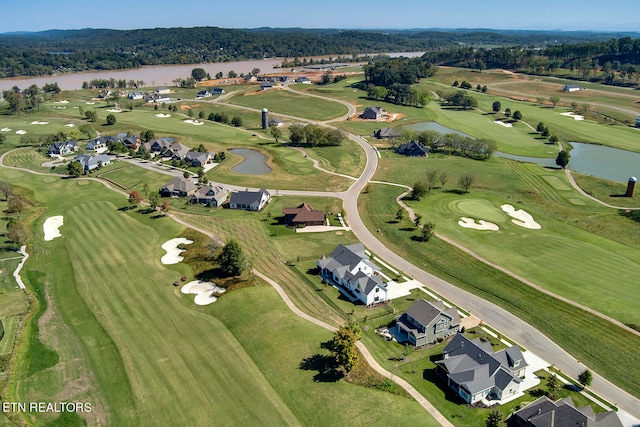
[178,361]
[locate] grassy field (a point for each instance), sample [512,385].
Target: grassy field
[285,102]
[586,337]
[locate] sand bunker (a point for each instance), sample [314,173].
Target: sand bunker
[60,108]
[501,123]
[5,130]
[203,291]
[163,116]
[114,110]
[173,251]
[480,225]
[89,103]
[521,218]
[64,101]
[194,122]
[51,227]
[574,115]
[39,123]
[21,132]
[70,125]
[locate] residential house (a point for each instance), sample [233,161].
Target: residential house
[372,113]
[175,151]
[90,162]
[250,78]
[62,148]
[276,122]
[162,90]
[386,133]
[132,142]
[571,88]
[100,144]
[303,80]
[203,94]
[283,79]
[178,187]
[158,98]
[266,85]
[210,195]
[475,372]
[135,95]
[250,200]
[158,145]
[105,93]
[217,91]
[303,215]
[546,413]
[198,158]
[413,149]
[424,322]
[353,273]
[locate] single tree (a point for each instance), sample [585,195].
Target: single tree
[91,115]
[186,174]
[255,71]
[236,121]
[275,132]
[563,158]
[75,168]
[517,115]
[540,127]
[15,204]
[552,383]
[574,106]
[111,119]
[134,198]
[478,87]
[400,215]
[432,176]
[455,84]
[545,132]
[466,181]
[484,89]
[585,378]
[343,347]
[198,73]
[417,220]
[553,139]
[154,199]
[219,75]
[507,112]
[554,99]
[231,259]
[165,207]
[419,190]
[496,107]
[494,419]
[427,231]
[3,138]
[444,177]
[17,233]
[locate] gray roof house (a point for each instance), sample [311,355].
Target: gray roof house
[372,113]
[475,372]
[158,145]
[266,86]
[353,273]
[210,195]
[250,200]
[176,151]
[178,187]
[304,80]
[198,158]
[426,321]
[89,162]
[100,144]
[276,122]
[547,413]
[385,133]
[203,94]
[413,149]
[217,91]
[62,148]
[571,88]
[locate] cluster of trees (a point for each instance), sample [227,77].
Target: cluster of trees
[462,99]
[223,117]
[497,107]
[314,136]
[29,98]
[545,132]
[421,188]
[452,144]
[328,77]
[398,93]
[466,85]
[390,79]
[17,231]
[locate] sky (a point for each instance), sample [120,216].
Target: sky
[38,15]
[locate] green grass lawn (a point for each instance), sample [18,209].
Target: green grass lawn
[285,102]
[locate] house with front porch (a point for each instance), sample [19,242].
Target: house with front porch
[426,321]
[90,162]
[352,272]
[475,372]
[250,200]
[178,187]
[210,195]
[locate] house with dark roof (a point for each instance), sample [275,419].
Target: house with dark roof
[210,195]
[386,133]
[413,149]
[276,122]
[426,321]
[546,413]
[132,142]
[372,113]
[352,272]
[303,80]
[571,88]
[175,151]
[266,85]
[90,162]
[198,158]
[161,90]
[178,187]
[135,95]
[203,94]
[475,372]
[303,215]
[62,148]
[158,145]
[250,200]
[100,144]
[217,91]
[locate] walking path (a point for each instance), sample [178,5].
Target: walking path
[365,353]
[16,274]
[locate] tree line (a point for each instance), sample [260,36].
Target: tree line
[314,136]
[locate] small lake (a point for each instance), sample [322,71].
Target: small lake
[254,163]
[596,160]
[420,127]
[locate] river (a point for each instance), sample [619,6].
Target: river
[157,75]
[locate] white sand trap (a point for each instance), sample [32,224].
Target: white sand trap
[194,122]
[163,116]
[39,123]
[480,225]
[64,101]
[5,130]
[114,110]
[21,132]
[59,108]
[501,123]
[203,291]
[70,125]
[173,251]
[51,227]
[89,103]
[522,218]
[574,115]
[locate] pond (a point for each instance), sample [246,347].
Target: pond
[596,160]
[420,127]
[254,163]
